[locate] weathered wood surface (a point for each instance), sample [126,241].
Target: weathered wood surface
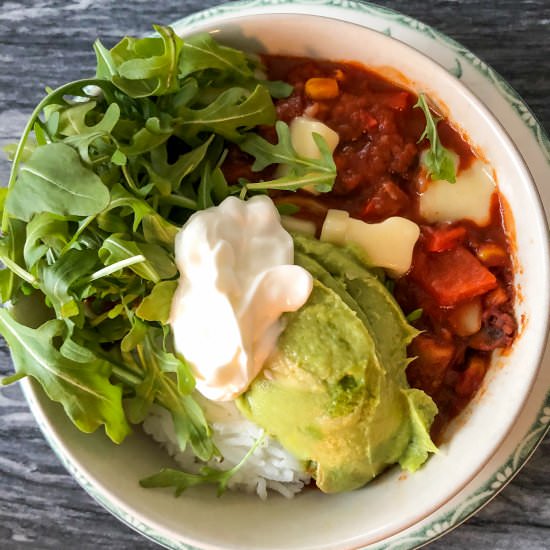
[47,42]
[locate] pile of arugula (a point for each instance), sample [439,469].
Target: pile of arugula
[106,172]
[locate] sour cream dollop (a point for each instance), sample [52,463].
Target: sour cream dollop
[236,280]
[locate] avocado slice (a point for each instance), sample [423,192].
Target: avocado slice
[334,393]
[391,333]
[389,327]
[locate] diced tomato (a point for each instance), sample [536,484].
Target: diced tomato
[397,100]
[452,276]
[443,238]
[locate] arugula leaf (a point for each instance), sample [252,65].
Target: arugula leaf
[154,132]
[439,161]
[11,255]
[156,306]
[106,68]
[144,66]
[57,280]
[201,52]
[72,121]
[156,365]
[235,110]
[106,171]
[76,88]
[169,363]
[157,264]
[277,88]
[414,315]
[180,480]
[135,336]
[171,175]
[84,391]
[212,184]
[157,230]
[45,232]
[121,198]
[81,136]
[302,171]
[159,257]
[58,183]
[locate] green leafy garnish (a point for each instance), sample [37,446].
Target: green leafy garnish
[301,171]
[180,480]
[106,172]
[84,389]
[414,315]
[59,183]
[438,160]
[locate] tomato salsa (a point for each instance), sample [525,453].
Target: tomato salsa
[459,289]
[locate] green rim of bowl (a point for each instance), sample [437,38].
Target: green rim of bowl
[441,524]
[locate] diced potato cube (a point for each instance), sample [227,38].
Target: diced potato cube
[301,135]
[470,197]
[335,227]
[388,244]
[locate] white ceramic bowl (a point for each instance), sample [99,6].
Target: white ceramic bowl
[394,502]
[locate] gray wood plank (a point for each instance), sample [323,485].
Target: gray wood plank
[47,42]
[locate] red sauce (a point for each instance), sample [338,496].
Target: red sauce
[454,265]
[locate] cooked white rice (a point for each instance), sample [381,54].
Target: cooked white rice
[269,467]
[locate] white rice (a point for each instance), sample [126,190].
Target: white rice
[270,467]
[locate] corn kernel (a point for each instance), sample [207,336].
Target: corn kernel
[322,88]
[491,254]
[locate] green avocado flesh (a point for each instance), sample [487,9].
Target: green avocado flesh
[334,393]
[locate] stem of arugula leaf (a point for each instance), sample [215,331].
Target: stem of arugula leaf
[131,183]
[113,268]
[126,377]
[177,200]
[18,270]
[6,381]
[83,224]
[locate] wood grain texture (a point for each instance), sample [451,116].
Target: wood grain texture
[48,42]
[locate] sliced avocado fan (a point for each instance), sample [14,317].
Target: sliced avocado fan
[335,393]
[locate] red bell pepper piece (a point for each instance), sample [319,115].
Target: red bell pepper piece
[452,276]
[444,238]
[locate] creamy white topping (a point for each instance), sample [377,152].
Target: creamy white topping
[236,280]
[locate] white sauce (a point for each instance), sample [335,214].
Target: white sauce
[236,280]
